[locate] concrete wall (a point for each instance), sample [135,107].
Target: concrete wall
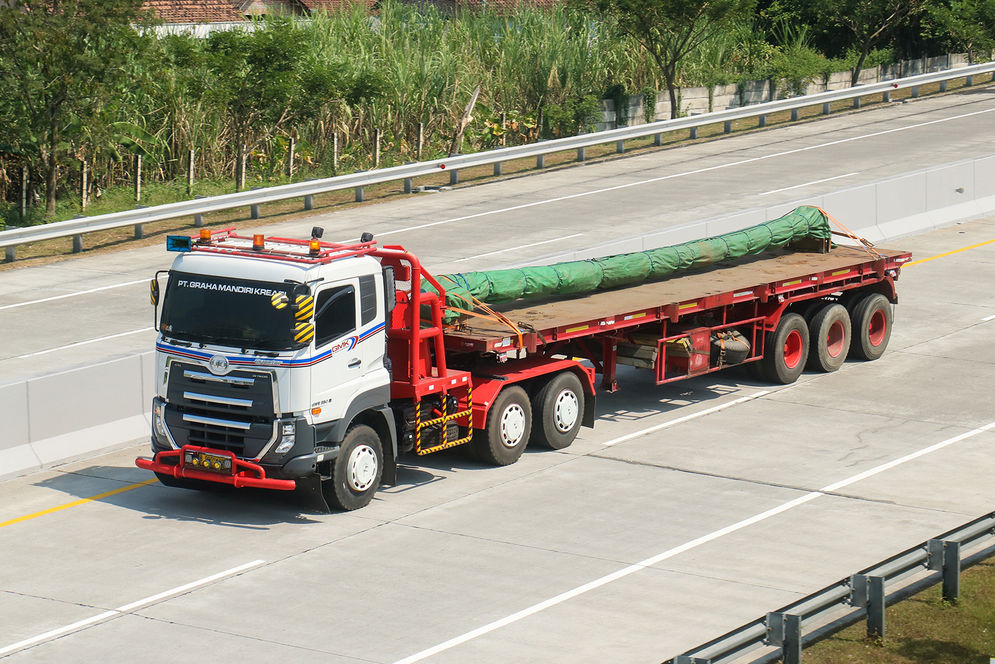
[694,101]
[71,414]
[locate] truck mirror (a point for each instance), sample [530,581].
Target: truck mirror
[303,307]
[154,292]
[390,289]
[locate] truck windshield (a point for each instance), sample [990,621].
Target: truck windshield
[225,311]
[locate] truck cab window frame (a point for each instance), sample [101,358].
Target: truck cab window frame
[335,314]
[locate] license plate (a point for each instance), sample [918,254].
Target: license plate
[214,463]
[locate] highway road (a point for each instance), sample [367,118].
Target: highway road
[689,510]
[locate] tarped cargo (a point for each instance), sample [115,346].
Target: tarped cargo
[578,277]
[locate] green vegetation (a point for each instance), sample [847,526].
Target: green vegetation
[924,629]
[92,82]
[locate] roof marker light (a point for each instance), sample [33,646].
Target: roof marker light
[258,242]
[314,246]
[205,235]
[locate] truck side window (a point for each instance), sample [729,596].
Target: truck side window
[367,298]
[335,314]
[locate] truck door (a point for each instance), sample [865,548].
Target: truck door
[349,343]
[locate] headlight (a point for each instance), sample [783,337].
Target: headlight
[158,424]
[288,437]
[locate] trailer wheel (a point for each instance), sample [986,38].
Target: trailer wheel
[357,470]
[872,317]
[787,350]
[829,338]
[509,423]
[558,409]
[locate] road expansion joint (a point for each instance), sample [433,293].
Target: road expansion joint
[65,602]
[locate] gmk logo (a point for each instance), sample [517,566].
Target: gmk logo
[218,365]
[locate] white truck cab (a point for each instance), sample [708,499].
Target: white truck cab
[266,359]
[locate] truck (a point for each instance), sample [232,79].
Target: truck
[302,364]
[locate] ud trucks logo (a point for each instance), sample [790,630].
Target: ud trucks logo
[218,365]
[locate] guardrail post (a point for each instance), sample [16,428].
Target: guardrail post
[657,140]
[943,86]
[856,102]
[794,114]
[825,108]
[886,96]
[254,211]
[498,167]
[619,147]
[360,195]
[409,185]
[10,254]
[727,127]
[541,161]
[951,571]
[581,154]
[875,607]
[969,81]
[198,221]
[454,176]
[784,630]
[694,133]
[139,231]
[77,243]
[914,92]
[762,122]
[309,202]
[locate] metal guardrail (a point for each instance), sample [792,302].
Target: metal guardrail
[783,633]
[308,189]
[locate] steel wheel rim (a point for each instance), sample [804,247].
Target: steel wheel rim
[793,349]
[876,328]
[835,338]
[361,468]
[512,425]
[565,410]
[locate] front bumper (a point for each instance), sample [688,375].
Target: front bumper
[243,473]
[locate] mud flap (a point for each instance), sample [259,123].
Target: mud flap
[309,491]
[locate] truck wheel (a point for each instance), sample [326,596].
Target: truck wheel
[829,334]
[508,425]
[357,471]
[558,409]
[872,318]
[787,350]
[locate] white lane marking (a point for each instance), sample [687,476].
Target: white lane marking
[680,420]
[678,175]
[523,246]
[82,343]
[61,631]
[988,318]
[669,553]
[86,292]
[799,186]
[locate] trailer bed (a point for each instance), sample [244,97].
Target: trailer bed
[755,277]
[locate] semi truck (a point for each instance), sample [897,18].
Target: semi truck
[302,364]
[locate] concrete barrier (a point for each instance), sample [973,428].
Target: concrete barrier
[72,414]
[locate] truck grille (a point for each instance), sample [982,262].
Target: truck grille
[233,412]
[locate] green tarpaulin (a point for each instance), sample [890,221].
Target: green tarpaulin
[577,277]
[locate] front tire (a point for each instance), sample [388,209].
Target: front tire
[787,350]
[558,409]
[509,423]
[357,470]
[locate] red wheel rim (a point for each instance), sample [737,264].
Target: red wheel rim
[793,348]
[835,339]
[877,327]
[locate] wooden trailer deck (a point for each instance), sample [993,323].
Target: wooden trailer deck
[755,277]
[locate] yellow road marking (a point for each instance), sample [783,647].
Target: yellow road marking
[81,501]
[949,253]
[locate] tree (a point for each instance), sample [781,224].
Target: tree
[62,65]
[969,24]
[670,29]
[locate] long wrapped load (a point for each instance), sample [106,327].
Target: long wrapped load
[586,276]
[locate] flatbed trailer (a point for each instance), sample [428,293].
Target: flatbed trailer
[357,358]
